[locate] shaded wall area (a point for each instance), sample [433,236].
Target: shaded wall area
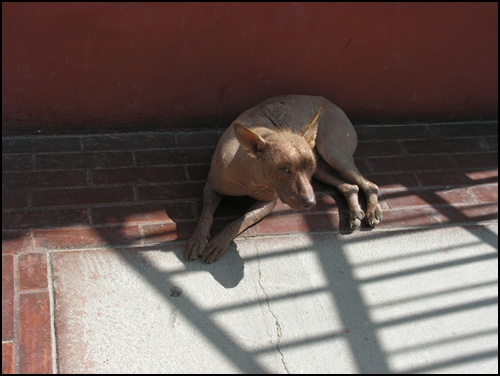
[72,67]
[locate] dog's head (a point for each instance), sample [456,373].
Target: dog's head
[287,161]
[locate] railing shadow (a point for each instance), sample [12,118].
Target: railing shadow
[352,309]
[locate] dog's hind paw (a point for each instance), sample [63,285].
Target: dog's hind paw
[374,216]
[355,218]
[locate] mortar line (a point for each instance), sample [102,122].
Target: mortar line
[17,314]
[53,332]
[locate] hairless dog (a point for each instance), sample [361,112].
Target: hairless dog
[272,151]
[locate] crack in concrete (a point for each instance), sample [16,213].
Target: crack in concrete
[279,331]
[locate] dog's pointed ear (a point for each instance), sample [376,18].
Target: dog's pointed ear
[249,140]
[310,130]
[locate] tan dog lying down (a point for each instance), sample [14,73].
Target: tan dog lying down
[272,151]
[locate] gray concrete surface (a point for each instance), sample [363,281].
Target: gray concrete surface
[422,301]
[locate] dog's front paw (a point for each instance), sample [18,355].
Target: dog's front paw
[374,216]
[196,245]
[216,248]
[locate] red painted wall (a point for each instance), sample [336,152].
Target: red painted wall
[104,66]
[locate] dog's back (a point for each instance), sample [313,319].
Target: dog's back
[291,113]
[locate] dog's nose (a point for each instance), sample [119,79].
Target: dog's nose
[309,202]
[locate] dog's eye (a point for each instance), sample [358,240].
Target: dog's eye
[285,169]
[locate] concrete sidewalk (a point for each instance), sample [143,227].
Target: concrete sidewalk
[421,301]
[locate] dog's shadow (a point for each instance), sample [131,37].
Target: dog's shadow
[228,271]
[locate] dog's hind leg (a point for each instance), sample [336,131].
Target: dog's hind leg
[336,143]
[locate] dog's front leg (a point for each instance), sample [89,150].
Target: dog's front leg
[199,240]
[219,245]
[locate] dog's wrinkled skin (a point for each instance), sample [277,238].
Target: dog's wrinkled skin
[272,151]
